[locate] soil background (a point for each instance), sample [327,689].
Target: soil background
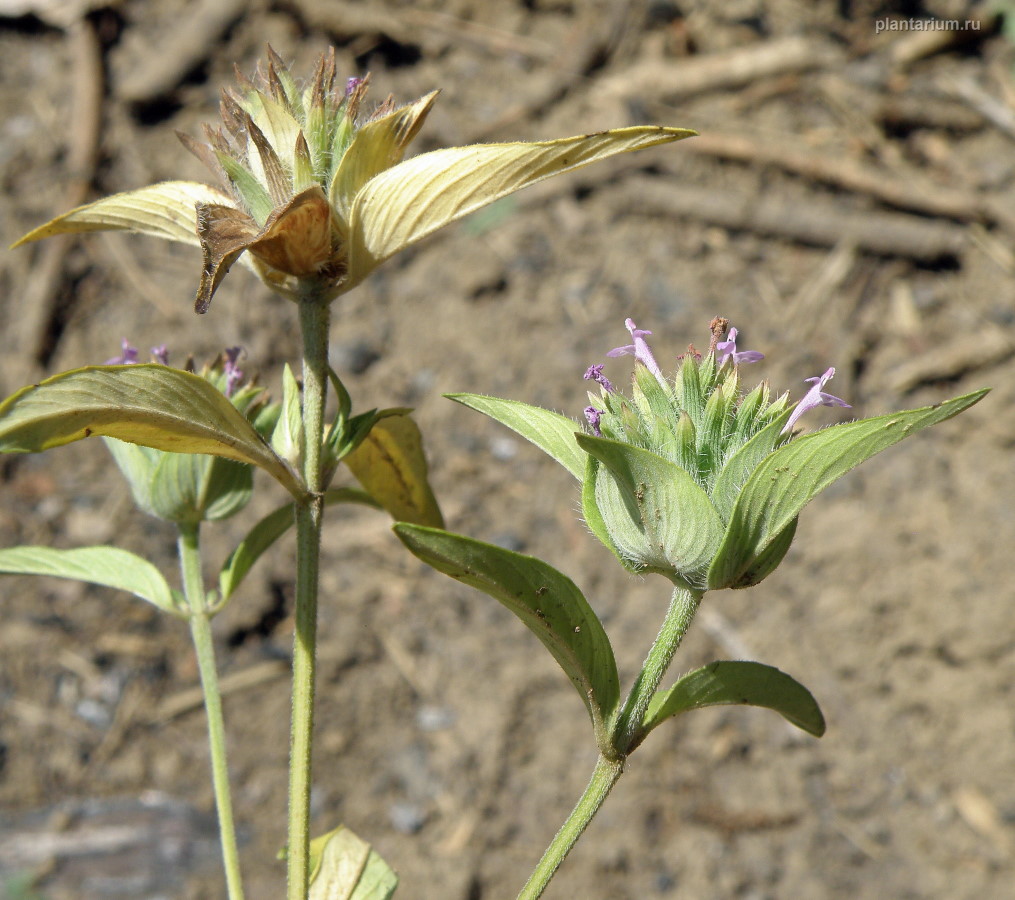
[850,203]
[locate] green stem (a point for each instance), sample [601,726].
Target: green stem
[200,630]
[626,735]
[314,317]
[683,606]
[603,779]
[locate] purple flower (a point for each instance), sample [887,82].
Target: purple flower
[161,354]
[233,374]
[594,415]
[640,351]
[814,397]
[126,358]
[725,349]
[595,373]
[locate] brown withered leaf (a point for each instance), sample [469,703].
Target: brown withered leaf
[297,239]
[224,233]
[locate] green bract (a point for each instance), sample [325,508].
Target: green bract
[694,479]
[188,488]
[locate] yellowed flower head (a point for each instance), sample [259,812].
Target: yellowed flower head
[316,195]
[293,160]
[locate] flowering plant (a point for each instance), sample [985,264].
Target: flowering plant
[693,479]
[315,193]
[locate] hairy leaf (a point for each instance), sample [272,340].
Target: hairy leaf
[415,198]
[106,566]
[790,477]
[390,465]
[551,432]
[151,405]
[345,867]
[165,210]
[742,684]
[547,601]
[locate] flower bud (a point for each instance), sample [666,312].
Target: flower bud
[189,487]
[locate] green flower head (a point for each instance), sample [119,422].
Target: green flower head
[693,477]
[193,487]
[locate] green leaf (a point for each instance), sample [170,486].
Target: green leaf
[106,566]
[405,203]
[353,433]
[345,867]
[337,430]
[166,210]
[766,562]
[138,466]
[547,601]
[194,487]
[287,438]
[390,464]
[594,518]
[149,404]
[790,477]
[738,684]
[269,530]
[739,467]
[655,512]
[227,490]
[551,432]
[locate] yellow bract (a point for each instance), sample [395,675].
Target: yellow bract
[376,204]
[165,210]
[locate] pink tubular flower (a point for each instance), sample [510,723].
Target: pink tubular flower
[127,357]
[233,374]
[595,373]
[814,397]
[728,348]
[640,351]
[594,415]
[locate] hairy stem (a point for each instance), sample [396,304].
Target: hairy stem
[314,317]
[625,735]
[200,630]
[683,606]
[604,777]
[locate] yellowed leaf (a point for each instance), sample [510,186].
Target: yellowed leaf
[151,405]
[413,199]
[377,146]
[392,468]
[166,210]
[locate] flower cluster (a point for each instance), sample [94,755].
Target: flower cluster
[701,419]
[283,154]
[180,487]
[315,190]
[224,372]
[700,424]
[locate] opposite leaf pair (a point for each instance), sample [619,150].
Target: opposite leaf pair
[691,479]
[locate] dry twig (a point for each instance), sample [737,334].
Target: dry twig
[816,222]
[666,80]
[182,48]
[40,302]
[192,698]
[902,189]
